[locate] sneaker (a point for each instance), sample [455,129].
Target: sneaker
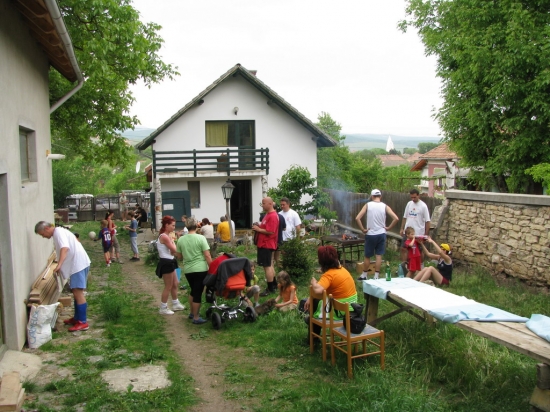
[199,321]
[177,307]
[133,259]
[376,277]
[165,311]
[78,326]
[108,265]
[119,261]
[256,304]
[71,321]
[361,278]
[266,292]
[190,316]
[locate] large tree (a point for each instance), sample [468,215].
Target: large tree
[114,50]
[493,59]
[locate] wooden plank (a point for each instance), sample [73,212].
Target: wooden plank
[372,308]
[511,337]
[51,258]
[10,391]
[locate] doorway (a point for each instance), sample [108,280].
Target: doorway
[241,204]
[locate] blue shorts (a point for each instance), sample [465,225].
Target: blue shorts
[375,245]
[79,280]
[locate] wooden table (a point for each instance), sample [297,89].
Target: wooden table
[513,335]
[345,247]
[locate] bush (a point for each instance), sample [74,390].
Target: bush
[296,259]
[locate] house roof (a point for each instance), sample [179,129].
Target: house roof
[414,157]
[40,22]
[440,152]
[392,160]
[323,140]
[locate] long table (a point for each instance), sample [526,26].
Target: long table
[346,246]
[514,335]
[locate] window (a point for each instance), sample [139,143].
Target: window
[195,194]
[27,155]
[230,133]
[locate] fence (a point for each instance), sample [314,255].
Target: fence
[347,205]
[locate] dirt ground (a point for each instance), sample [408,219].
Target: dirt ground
[199,358]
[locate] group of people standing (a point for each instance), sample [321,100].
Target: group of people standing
[415,228]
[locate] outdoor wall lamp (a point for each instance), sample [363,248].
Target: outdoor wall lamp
[53,156]
[227,190]
[235,110]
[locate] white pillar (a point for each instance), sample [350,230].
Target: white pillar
[158,203]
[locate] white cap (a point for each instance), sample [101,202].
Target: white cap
[376,192]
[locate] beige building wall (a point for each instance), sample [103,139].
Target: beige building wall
[24,105]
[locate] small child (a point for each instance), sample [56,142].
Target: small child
[414,253]
[253,290]
[287,293]
[133,228]
[105,236]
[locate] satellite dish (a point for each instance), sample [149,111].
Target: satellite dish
[138,165]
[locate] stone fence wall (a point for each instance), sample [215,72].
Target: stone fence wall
[505,233]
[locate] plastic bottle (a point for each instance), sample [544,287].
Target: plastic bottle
[400,271]
[388,271]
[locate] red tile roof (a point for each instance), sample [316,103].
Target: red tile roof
[440,152]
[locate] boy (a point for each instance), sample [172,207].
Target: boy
[105,236]
[254,289]
[414,253]
[132,228]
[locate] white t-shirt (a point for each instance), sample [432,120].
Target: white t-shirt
[376,218]
[292,219]
[207,231]
[77,259]
[417,214]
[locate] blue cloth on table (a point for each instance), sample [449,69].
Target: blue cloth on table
[476,312]
[540,325]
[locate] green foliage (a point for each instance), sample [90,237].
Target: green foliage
[425,147]
[111,306]
[492,58]
[410,150]
[394,152]
[296,259]
[114,50]
[296,183]
[540,173]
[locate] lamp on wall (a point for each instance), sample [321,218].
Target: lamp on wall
[227,190]
[235,110]
[53,156]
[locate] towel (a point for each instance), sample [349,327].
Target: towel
[540,325]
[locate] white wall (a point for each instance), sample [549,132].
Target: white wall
[24,103]
[288,141]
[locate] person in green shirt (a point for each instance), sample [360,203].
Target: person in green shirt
[195,252]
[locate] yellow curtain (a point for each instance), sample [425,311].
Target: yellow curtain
[216,134]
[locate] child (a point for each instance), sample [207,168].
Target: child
[253,290]
[132,228]
[287,293]
[414,253]
[105,236]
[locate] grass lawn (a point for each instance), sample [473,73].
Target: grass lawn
[269,367]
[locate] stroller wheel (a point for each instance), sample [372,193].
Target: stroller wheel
[216,321]
[208,312]
[249,314]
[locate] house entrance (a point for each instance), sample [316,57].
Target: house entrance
[241,207]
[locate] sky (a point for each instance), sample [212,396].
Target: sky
[346,58]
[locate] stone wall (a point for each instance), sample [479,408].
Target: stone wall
[505,233]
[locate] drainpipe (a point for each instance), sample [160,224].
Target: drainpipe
[66,39]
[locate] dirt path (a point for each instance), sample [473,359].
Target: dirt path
[199,357]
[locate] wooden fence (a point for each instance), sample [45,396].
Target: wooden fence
[347,205]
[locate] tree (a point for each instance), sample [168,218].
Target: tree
[493,59]
[410,150]
[540,173]
[394,152]
[333,163]
[114,50]
[425,147]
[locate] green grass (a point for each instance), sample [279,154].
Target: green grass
[267,366]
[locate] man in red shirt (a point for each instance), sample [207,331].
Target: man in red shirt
[267,243]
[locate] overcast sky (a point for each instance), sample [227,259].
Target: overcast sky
[346,58]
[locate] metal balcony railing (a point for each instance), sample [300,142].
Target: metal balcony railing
[212,160]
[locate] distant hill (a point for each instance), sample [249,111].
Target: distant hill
[137,135]
[361,141]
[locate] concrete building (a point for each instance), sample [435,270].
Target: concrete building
[32,37]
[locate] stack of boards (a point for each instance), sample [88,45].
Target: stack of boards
[47,287]
[12,393]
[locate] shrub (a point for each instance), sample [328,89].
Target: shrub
[296,258]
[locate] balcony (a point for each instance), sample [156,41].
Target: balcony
[212,162]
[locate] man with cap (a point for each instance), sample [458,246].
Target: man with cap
[375,233]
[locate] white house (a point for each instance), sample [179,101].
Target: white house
[237,128]
[440,170]
[32,37]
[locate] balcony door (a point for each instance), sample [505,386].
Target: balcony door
[240,134]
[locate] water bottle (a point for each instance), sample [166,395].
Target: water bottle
[388,272]
[400,271]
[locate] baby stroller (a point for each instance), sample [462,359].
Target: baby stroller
[227,277]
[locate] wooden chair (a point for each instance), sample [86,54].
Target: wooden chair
[323,321]
[348,341]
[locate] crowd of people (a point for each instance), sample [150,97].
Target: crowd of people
[192,245]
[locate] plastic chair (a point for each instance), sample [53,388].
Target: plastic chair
[348,341]
[323,321]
